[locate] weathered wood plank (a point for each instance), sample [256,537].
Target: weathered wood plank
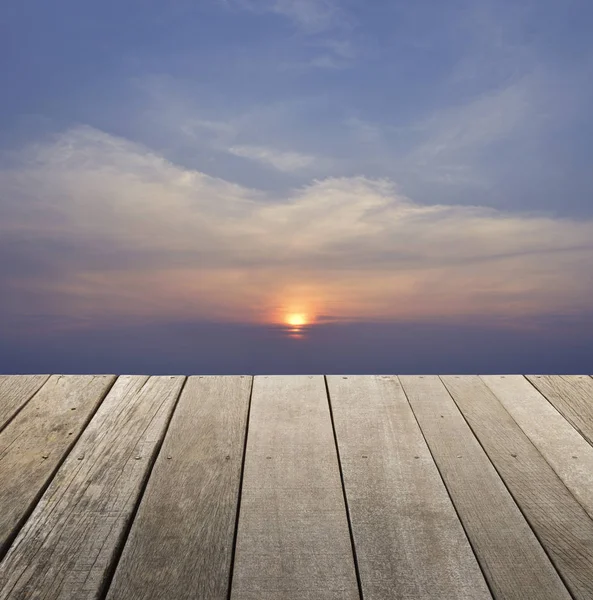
[15,392]
[181,542]
[563,447]
[510,555]
[293,540]
[35,442]
[68,544]
[560,522]
[572,395]
[409,541]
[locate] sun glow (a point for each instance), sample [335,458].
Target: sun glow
[296,320]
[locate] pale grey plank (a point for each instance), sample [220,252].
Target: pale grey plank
[510,555]
[181,542]
[409,541]
[572,395]
[35,442]
[15,392]
[560,443]
[560,522]
[66,547]
[293,541]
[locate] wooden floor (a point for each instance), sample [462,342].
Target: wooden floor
[296,487]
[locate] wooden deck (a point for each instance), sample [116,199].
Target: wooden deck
[296,487]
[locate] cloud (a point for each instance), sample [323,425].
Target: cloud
[283,161]
[450,142]
[254,133]
[94,225]
[364,131]
[495,45]
[337,53]
[220,130]
[325,25]
[312,16]
[486,119]
[326,61]
[472,143]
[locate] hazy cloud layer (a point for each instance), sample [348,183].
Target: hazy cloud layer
[94,225]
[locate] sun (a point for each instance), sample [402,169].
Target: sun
[296,319]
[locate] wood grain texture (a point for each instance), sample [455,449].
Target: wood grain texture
[293,540]
[15,392]
[67,546]
[35,442]
[510,555]
[560,522]
[572,395]
[567,452]
[408,538]
[181,543]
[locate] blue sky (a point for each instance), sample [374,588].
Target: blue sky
[237,161]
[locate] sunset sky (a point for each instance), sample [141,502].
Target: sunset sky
[296,186]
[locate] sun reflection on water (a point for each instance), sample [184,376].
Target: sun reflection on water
[296,324]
